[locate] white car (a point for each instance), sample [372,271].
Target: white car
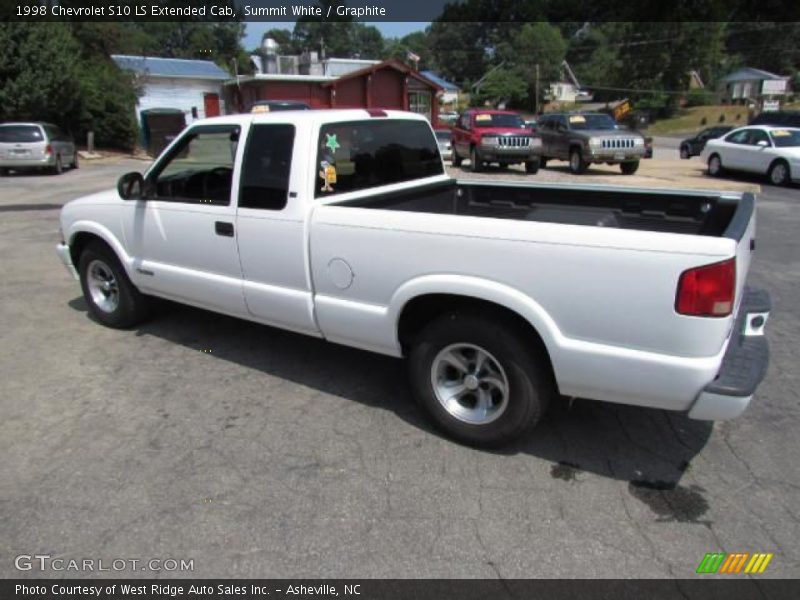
[343,225]
[772,151]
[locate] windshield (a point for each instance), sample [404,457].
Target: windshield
[499,120]
[20,133]
[578,122]
[785,138]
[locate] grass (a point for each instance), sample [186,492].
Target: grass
[689,120]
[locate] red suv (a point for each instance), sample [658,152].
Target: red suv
[495,136]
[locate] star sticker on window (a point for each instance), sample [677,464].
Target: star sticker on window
[331,142]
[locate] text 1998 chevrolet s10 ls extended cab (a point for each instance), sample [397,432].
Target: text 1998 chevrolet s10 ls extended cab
[343,225]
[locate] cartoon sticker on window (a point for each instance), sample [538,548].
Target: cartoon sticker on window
[483,118]
[780,133]
[328,175]
[577,119]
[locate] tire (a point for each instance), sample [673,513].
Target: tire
[477,165]
[715,168]
[456,159]
[4,172]
[111,297]
[75,164]
[532,167]
[58,168]
[779,173]
[513,387]
[630,167]
[685,152]
[576,163]
[502,166]
[542,163]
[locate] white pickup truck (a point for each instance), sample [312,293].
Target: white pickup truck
[342,224]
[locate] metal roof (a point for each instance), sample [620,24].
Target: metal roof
[750,74]
[171,67]
[442,83]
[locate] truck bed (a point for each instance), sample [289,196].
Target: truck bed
[692,213]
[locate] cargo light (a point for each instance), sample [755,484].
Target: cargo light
[707,291]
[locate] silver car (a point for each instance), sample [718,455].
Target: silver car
[35,146]
[443,138]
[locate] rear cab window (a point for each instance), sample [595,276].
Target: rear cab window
[20,134]
[360,155]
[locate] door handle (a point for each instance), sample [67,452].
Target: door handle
[223,228]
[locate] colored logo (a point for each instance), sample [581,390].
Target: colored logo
[734,563]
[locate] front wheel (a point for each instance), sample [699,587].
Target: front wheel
[532,167]
[685,152]
[779,173]
[477,165]
[111,297]
[714,165]
[576,163]
[630,167]
[478,379]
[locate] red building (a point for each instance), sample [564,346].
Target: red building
[390,84]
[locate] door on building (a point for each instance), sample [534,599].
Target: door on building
[211,105]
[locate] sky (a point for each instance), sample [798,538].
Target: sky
[255,30]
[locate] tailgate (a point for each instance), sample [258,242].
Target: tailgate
[742,229]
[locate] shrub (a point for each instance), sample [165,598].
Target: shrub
[703,121]
[721,118]
[699,98]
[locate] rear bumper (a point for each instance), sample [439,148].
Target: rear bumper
[743,366]
[63,253]
[30,163]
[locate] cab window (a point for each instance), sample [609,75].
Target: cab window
[266,167]
[366,154]
[199,169]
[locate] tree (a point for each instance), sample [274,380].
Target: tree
[39,71]
[416,42]
[506,85]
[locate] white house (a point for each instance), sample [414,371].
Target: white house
[752,85]
[191,86]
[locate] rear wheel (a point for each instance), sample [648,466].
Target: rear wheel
[75,160]
[111,297]
[532,167]
[478,379]
[630,167]
[4,172]
[576,163]
[542,162]
[779,173]
[58,168]
[714,165]
[477,165]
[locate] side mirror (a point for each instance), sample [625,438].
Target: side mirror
[131,186]
[763,143]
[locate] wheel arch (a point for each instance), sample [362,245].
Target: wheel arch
[419,303]
[83,233]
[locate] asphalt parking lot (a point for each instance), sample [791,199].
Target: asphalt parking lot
[261,453]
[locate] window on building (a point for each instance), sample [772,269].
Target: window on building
[266,167]
[420,102]
[366,154]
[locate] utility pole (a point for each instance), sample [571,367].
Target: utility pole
[536,100]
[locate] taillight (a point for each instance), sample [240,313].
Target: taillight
[707,291]
[48,149]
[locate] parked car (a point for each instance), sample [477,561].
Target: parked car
[694,145]
[445,141]
[264,106]
[344,226]
[780,118]
[532,124]
[771,151]
[495,136]
[25,146]
[586,138]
